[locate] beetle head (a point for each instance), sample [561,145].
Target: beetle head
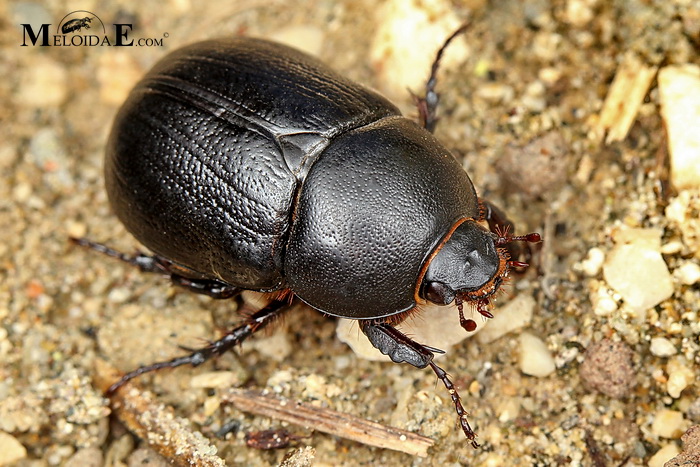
[469,267]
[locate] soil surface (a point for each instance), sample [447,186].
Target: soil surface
[521,103]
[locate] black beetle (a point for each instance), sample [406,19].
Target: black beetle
[246,164]
[76,25]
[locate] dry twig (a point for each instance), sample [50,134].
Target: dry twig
[166,434]
[329,421]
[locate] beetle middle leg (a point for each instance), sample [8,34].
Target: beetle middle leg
[402,349]
[254,323]
[427,105]
[157,264]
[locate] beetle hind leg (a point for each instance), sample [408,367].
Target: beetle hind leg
[157,264]
[402,349]
[254,323]
[427,105]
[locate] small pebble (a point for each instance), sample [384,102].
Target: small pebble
[45,149]
[211,405]
[514,315]
[594,262]
[537,167]
[215,379]
[668,424]
[688,273]
[87,457]
[607,368]
[604,303]
[680,376]
[663,455]
[636,270]
[579,13]
[495,92]
[11,450]
[694,410]
[662,347]
[690,456]
[534,98]
[507,409]
[535,357]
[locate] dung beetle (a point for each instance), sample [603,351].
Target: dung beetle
[245,164]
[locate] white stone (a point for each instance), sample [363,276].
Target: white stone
[679,92]
[436,326]
[11,450]
[604,303]
[680,376]
[688,273]
[514,315]
[535,357]
[593,262]
[636,270]
[662,347]
[663,455]
[215,379]
[668,424]
[579,12]
[507,409]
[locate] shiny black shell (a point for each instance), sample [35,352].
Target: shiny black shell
[252,163]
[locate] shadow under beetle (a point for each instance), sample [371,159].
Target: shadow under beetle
[246,164]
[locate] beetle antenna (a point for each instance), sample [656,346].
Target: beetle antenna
[505,238]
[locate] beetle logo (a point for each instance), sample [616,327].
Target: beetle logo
[76,21]
[76,25]
[82,28]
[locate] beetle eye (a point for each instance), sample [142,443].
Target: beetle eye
[439,293]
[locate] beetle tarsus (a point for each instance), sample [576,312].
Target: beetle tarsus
[402,349]
[427,105]
[457,401]
[257,321]
[157,264]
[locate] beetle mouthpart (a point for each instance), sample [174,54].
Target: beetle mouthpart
[469,325]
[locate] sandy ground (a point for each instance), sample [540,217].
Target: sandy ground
[532,71]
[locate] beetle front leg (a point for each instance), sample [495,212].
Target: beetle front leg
[503,227]
[254,323]
[401,348]
[157,264]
